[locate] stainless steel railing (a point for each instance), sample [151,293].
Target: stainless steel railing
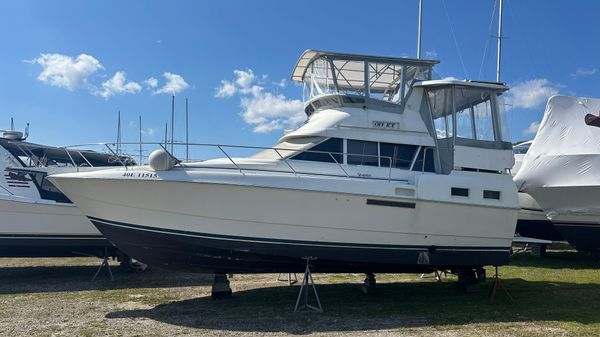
[283,154]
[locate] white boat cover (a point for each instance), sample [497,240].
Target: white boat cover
[565,153]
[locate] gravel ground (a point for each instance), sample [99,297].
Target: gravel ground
[56,297]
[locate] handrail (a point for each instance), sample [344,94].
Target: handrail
[239,167]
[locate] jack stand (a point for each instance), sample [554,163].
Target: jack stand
[437,276]
[104,265]
[370,284]
[307,282]
[289,279]
[497,283]
[220,287]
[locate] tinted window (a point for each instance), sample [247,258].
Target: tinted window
[321,152]
[362,153]
[429,166]
[401,155]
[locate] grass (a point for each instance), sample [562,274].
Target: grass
[558,295]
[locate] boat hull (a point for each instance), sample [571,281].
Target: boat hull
[582,232]
[246,228]
[199,252]
[533,222]
[45,229]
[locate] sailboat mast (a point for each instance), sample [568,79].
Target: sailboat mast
[140,122]
[187,140]
[419,29]
[119,133]
[172,122]
[499,43]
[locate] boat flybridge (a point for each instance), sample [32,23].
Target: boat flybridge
[36,219]
[391,172]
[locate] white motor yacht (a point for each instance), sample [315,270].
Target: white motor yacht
[36,219]
[560,169]
[392,172]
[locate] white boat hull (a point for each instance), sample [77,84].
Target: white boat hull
[249,226]
[46,228]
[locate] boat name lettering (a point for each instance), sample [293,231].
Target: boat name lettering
[140,174]
[386,125]
[365,175]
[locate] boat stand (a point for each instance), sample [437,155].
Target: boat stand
[497,283]
[437,275]
[307,282]
[106,265]
[289,279]
[220,287]
[369,284]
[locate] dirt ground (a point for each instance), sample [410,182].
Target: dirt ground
[554,296]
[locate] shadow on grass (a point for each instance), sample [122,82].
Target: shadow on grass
[555,260]
[396,305]
[14,280]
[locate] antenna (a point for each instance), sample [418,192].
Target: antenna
[420,28]
[187,140]
[499,43]
[166,138]
[172,121]
[140,122]
[26,132]
[12,124]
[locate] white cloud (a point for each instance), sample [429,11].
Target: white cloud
[533,128]
[226,89]
[118,85]
[431,54]
[282,83]
[65,71]
[531,94]
[244,78]
[582,72]
[148,132]
[175,84]
[151,82]
[263,109]
[268,111]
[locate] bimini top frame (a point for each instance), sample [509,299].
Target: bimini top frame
[373,77]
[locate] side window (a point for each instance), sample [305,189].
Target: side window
[321,152]
[483,120]
[428,165]
[362,153]
[440,102]
[401,155]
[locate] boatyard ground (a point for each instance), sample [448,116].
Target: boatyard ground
[558,295]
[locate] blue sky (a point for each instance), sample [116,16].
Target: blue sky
[67,67]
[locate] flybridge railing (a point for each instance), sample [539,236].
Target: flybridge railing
[237,155]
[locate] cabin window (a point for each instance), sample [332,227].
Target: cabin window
[474,119]
[483,120]
[427,165]
[363,153]
[465,127]
[440,102]
[502,120]
[400,154]
[328,151]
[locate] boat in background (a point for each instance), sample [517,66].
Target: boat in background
[560,170]
[36,218]
[533,222]
[392,172]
